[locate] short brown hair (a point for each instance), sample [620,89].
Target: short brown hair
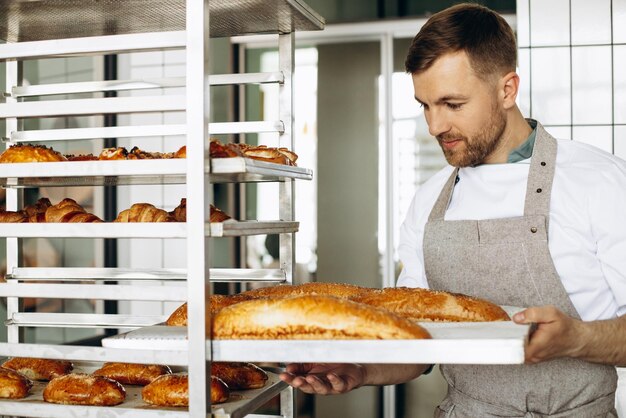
[483,34]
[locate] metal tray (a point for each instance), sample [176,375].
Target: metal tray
[228,228]
[241,403]
[35,20]
[452,343]
[166,171]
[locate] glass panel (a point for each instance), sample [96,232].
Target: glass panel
[523,97]
[598,136]
[619,74]
[620,141]
[619,17]
[404,104]
[559,132]
[591,22]
[549,22]
[550,75]
[591,82]
[523,23]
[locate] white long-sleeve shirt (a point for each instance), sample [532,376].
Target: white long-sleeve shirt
[587,232]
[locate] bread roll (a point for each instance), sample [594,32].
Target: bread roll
[181,153]
[83,389]
[30,154]
[216,302]
[239,375]
[429,305]
[340,290]
[37,368]
[13,385]
[173,390]
[311,317]
[132,374]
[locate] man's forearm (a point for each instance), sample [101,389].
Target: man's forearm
[604,342]
[392,374]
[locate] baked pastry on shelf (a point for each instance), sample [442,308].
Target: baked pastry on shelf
[311,317]
[38,368]
[131,373]
[173,390]
[261,152]
[340,290]
[24,153]
[144,212]
[67,210]
[13,385]
[84,389]
[239,376]
[216,302]
[420,304]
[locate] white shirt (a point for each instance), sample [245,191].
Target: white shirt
[587,232]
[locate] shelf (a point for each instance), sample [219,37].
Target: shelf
[452,343]
[83,320]
[242,403]
[135,172]
[142,229]
[56,19]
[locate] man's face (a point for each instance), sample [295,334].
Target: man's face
[462,111]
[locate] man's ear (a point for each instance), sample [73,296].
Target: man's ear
[509,87]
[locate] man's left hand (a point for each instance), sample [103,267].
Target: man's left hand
[557,335]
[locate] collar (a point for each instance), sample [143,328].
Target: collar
[524,151]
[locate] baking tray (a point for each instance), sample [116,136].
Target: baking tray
[500,342]
[140,172]
[229,228]
[240,404]
[33,20]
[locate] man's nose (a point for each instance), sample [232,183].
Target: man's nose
[437,123]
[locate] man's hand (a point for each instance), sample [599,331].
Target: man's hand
[557,335]
[324,378]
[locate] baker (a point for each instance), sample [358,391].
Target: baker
[518,218]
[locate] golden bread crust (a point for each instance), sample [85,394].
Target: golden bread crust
[239,375]
[38,368]
[84,389]
[173,390]
[178,318]
[311,317]
[13,385]
[131,373]
[30,154]
[429,305]
[340,290]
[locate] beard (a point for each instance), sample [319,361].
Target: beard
[474,150]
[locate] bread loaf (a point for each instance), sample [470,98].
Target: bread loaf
[311,317]
[13,385]
[22,153]
[216,302]
[238,375]
[340,290]
[37,368]
[173,390]
[429,305]
[83,389]
[132,374]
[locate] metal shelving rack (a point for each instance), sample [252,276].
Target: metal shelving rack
[50,28]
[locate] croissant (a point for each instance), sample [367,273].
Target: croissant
[39,207]
[119,153]
[181,153]
[7,216]
[144,212]
[180,213]
[67,210]
[263,153]
[219,150]
[23,153]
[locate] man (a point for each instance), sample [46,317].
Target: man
[518,218]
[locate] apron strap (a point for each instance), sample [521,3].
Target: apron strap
[439,209]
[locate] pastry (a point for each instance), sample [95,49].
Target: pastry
[173,390]
[13,385]
[217,302]
[429,305]
[38,369]
[132,374]
[311,317]
[22,153]
[340,290]
[144,212]
[239,375]
[84,389]
[67,210]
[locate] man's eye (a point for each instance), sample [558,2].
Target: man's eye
[454,106]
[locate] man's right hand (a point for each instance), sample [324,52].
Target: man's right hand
[324,378]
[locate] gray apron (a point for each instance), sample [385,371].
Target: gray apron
[507,261]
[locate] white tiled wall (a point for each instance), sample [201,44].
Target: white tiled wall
[572,64]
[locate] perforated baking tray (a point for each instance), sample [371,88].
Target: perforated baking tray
[34,20]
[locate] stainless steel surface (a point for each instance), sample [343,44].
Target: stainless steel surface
[28,20]
[123,274]
[93,291]
[243,228]
[83,320]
